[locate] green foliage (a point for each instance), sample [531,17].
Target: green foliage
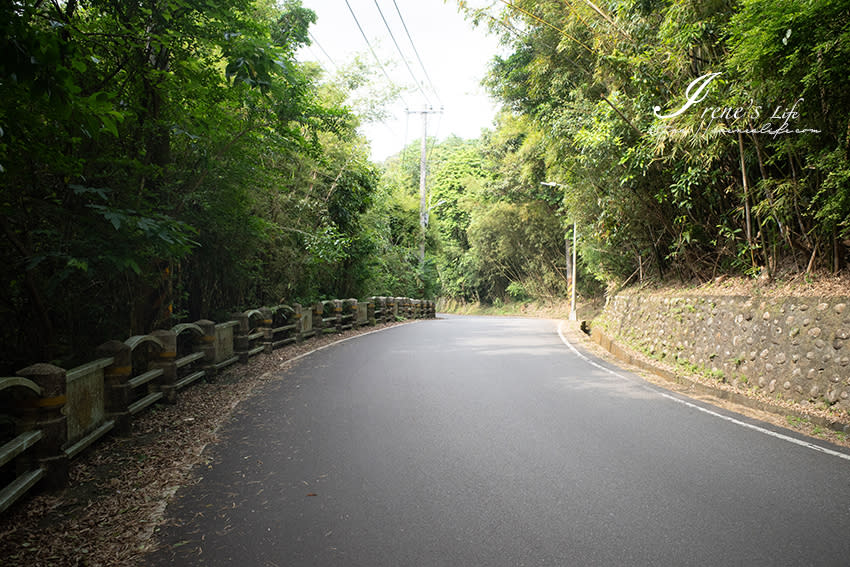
[497,231]
[168,158]
[394,223]
[514,243]
[666,196]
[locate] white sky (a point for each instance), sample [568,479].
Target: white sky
[455,54]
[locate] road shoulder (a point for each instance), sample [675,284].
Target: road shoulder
[819,425]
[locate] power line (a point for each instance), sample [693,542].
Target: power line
[375,55]
[319,45]
[416,52]
[404,145]
[404,60]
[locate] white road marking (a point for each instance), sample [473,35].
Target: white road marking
[323,347]
[781,436]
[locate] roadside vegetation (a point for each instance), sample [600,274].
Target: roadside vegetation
[170,161]
[751,182]
[698,194]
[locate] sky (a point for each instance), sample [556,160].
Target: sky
[454,53]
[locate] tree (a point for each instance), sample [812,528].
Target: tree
[166,160]
[696,193]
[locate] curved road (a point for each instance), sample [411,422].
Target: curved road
[472,441]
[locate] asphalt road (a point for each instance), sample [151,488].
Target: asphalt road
[486,441]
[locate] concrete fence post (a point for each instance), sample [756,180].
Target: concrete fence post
[206,345]
[318,316]
[45,414]
[266,326]
[307,329]
[116,384]
[241,341]
[298,318]
[303,322]
[351,312]
[378,309]
[370,311]
[166,360]
[361,309]
[337,303]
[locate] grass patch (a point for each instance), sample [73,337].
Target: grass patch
[554,309]
[797,422]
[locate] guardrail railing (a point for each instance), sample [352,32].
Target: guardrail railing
[49,415]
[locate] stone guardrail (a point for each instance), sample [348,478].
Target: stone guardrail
[49,415]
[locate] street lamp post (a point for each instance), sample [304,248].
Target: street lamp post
[573,297]
[573,316]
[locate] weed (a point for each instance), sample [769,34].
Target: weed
[796,422]
[718,375]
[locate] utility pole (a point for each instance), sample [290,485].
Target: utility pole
[423,192]
[571,267]
[423,173]
[573,297]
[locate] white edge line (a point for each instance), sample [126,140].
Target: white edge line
[323,347]
[781,436]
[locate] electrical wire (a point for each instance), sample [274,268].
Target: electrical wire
[319,45]
[375,55]
[416,52]
[404,144]
[404,60]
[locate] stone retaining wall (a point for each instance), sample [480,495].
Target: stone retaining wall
[793,348]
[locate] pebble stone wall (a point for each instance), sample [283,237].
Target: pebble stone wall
[793,348]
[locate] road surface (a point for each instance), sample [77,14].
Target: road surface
[471,441]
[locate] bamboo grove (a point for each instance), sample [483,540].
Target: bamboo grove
[751,177]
